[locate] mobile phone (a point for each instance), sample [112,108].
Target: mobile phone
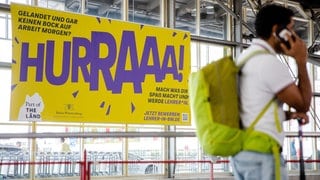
[282,34]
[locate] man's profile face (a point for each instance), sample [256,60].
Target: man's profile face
[277,47]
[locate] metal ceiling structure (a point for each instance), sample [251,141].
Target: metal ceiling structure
[212,16]
[212,12]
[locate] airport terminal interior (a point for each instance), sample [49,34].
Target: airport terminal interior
[124,149]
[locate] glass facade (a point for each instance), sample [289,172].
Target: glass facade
[146,12]
[204,20]
[185,16]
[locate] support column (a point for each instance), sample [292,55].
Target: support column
[237,9]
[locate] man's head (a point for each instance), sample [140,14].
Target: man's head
[272,16]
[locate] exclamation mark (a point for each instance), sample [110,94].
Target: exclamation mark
[181,61]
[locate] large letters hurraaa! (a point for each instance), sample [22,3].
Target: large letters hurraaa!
[76,68]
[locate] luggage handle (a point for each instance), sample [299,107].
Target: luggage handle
[302,172]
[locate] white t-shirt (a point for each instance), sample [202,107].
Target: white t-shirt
[261,78]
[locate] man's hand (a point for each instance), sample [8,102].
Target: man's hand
[298,49]
[304,119]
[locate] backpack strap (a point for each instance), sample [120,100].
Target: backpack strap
[249,56]
[277,163]
[276,118]
[274,144]
[259,116]
[240,65]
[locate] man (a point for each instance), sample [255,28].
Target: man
[64,146]
[263,78]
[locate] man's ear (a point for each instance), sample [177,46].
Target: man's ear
[274,29]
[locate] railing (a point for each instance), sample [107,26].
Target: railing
[55,164]
[68,165]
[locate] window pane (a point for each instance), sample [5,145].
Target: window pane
[302,29]
[5,82]
[291,150]
[187,149]
[186,16]
[3,28]
[145,148]
[14,146]
[317,79]
[20,1]
[316,114]
[194,59]
[103,144]
[209,53]
[3,14]
[106,149]
[249,17]
[52,4]
[8,129]
[9,28]
[73,6]
[145,12]
[55,144]
[5,52]
[102,8]
[212,20]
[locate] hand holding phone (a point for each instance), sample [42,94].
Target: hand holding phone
[283,34]
[295,46]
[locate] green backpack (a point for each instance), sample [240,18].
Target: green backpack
[213,94]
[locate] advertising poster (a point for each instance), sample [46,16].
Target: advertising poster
[69,67]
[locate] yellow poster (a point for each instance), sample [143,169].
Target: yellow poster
[70,67]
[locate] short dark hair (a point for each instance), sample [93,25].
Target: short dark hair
[270,15]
